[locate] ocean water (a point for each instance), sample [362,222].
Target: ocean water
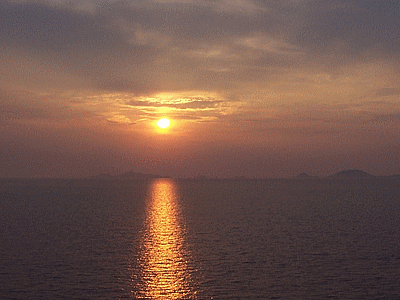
[200,239]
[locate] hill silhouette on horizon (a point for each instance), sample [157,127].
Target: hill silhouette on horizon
[351,174]
[346,174]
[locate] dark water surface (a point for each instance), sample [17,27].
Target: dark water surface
[200,239]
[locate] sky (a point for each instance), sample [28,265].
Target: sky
[257,88]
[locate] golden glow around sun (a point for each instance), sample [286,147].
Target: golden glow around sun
[163,123]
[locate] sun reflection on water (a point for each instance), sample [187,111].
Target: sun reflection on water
[164,269]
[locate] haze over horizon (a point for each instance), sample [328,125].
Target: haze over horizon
[255,88]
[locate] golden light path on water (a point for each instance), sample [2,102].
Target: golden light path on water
[164,266]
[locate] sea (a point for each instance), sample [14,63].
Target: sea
[200,239]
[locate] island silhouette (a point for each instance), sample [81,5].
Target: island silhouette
[344,174]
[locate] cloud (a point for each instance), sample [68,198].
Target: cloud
[54,29]
[386,119]
[269,45]
[19,107]
[353,26]
[145,47]
[388,92]
[82,44]
[148,47]
[181,104]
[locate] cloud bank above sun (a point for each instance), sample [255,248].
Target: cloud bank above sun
[253,76]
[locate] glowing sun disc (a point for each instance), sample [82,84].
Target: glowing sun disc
[163,123]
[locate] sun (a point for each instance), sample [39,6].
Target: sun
[163,123]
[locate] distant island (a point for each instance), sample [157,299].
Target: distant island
[127,175]
[351,174]
[346,174]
